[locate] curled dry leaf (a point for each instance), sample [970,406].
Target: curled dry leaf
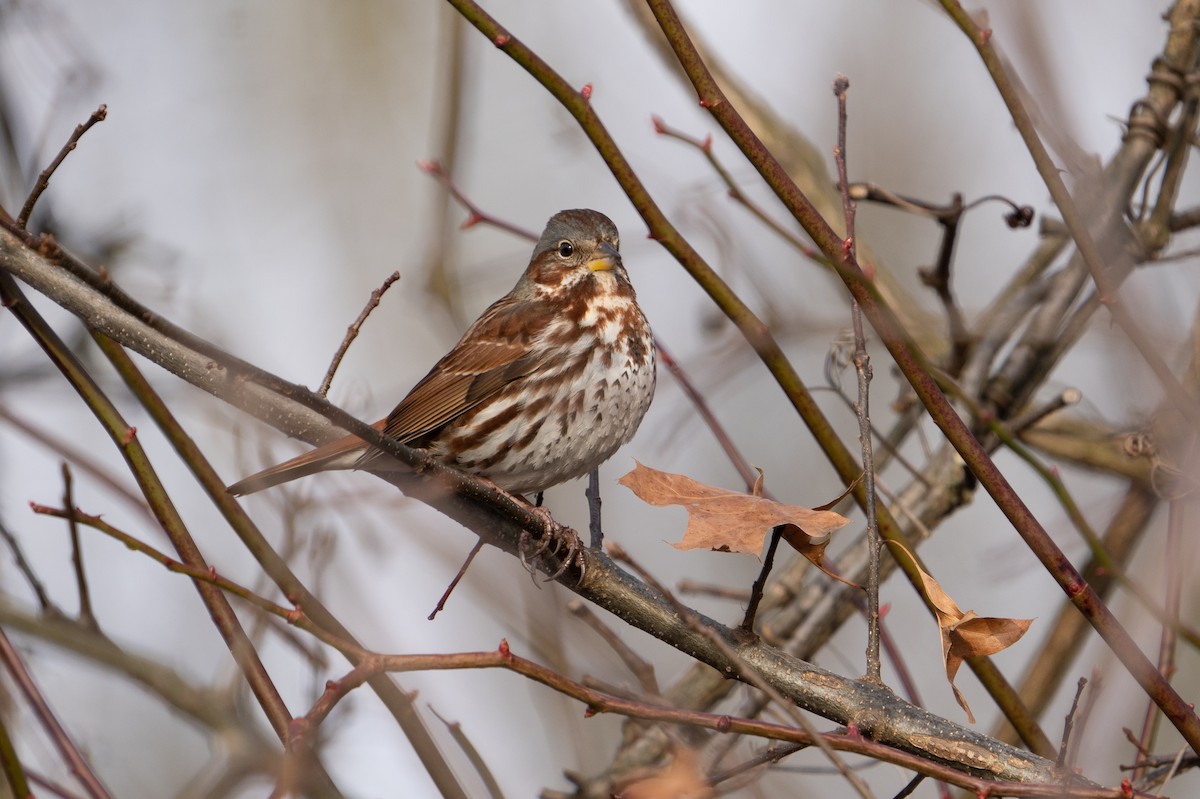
[729,521]
[965,635]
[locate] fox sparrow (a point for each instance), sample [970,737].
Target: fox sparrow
[547,384]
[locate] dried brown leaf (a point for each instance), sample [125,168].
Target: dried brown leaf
[723,520]
[849,490]
[812,548]
[965,635]
[984,636]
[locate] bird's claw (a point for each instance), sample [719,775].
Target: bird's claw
[574,553]
[553,539]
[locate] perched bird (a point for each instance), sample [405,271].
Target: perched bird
[546,385]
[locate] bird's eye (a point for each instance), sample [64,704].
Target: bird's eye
[566,249]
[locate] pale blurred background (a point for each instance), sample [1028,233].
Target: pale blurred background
[261,161]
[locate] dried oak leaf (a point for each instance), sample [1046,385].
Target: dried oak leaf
[729,521]
[966,635]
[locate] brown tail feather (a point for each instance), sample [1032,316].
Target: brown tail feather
[282,473]
[340,454]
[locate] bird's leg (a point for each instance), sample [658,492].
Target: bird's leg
[593,497]
[530,560]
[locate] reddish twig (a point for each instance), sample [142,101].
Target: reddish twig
[81,459]
[736,193]
[462,570]
[352,331]
[43,181]
[124,437]
[476,216]
[745,671]
[1069,723]
[53,787]
[912,365]
[455,99]
[71,755]
[207,575]
[599,702]
[744,469]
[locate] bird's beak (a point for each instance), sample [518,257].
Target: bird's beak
[606,258]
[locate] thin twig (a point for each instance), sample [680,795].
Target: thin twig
[760,582]
[1183,750]
[1069,723]
[39,590]
[1173,565]
[352,331]
[744,469]
[1018,216]
[641,668]
[1074,219]
[746,671]
[1089,702]
[599,702]
[910,787]
[82,460]
[71,755]
[940,278]
[770,754]
[207,575]
[454,95]
[43,181]
[916,370]
[473,756]
[86,616]
[736,193]
[462,570]
[1065,398]
[688,586]
[834,363]
[476,215]
[53,787]
[862,408]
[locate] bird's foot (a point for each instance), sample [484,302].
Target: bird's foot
[556,540]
